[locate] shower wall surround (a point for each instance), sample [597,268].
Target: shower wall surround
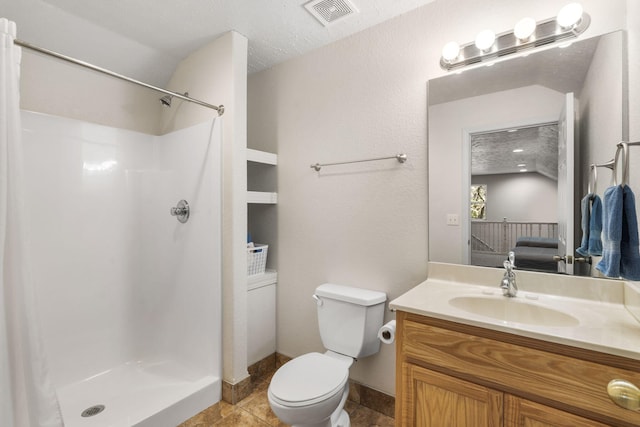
[121,284]
[216,73]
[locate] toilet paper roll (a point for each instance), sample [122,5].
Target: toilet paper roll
[387,333]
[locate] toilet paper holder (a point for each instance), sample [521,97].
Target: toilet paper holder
[387,333]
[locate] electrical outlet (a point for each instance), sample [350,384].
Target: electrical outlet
[453,219]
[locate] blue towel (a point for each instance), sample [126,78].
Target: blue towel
[609,265]
[591,224]
[595,227]
[585,212]
[629,245]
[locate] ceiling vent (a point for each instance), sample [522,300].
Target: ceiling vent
[328,12]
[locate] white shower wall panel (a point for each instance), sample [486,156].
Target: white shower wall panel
[80,228]
[179,293]
[117,278]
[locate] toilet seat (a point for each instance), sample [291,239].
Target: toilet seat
[308,379]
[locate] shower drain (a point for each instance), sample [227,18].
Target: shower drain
[94,410]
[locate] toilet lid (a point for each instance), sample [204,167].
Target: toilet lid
[308,379]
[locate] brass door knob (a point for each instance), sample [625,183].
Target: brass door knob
[561,258]
[624,394]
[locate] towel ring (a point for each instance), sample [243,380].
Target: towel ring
[624,148]
[593,180]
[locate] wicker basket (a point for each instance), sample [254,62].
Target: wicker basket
[257,259]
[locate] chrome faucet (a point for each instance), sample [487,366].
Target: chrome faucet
[508,284]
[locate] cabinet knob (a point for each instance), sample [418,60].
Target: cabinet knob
[624,394]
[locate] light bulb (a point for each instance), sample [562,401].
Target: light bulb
[450,51]
[485,39]
[524,28]
[569,15]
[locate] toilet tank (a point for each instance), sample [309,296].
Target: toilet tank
[349,319]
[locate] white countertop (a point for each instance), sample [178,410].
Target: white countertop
[604,323]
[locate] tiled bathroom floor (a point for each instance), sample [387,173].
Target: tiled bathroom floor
[254,411]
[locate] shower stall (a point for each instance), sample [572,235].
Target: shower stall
[129,297]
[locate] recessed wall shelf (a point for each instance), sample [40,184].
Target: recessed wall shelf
[261,221]
[255,281]
[263,157]
[262,197]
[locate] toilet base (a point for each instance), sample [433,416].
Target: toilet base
[343,420]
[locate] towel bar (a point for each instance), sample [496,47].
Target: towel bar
[401,158]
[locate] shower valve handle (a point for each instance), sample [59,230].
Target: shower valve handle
[178,211]
[181,211]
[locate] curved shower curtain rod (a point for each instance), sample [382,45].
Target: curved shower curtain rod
[218,108]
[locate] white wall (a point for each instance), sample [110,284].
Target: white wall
[217,74]
[633,22]
[360,97]
[521,197]
[73,34]
[600,111]
[448,123]
[50,86]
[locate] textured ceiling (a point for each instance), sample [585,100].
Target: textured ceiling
[146,39]
[492,152]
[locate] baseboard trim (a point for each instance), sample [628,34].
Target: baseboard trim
[234,393]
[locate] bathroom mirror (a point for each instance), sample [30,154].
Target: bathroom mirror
[494,153]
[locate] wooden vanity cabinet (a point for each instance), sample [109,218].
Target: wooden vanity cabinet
[521,412]
[449,374]
[435,399]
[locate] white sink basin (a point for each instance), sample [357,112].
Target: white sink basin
[513,310]
[587,313]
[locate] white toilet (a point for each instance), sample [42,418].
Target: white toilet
[311,390]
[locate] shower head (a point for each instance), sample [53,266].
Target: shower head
[166,100]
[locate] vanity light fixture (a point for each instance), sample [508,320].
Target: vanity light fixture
[523,170]
[527,35]
[570,15]
[521,165]
[450,51]
[485,39]
[524,29]
[518,150]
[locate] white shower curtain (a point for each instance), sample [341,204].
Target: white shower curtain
[27,398]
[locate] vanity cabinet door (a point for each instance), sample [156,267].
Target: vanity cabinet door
[524,413]
[437,400]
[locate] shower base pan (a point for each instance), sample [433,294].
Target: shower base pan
[138,394]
